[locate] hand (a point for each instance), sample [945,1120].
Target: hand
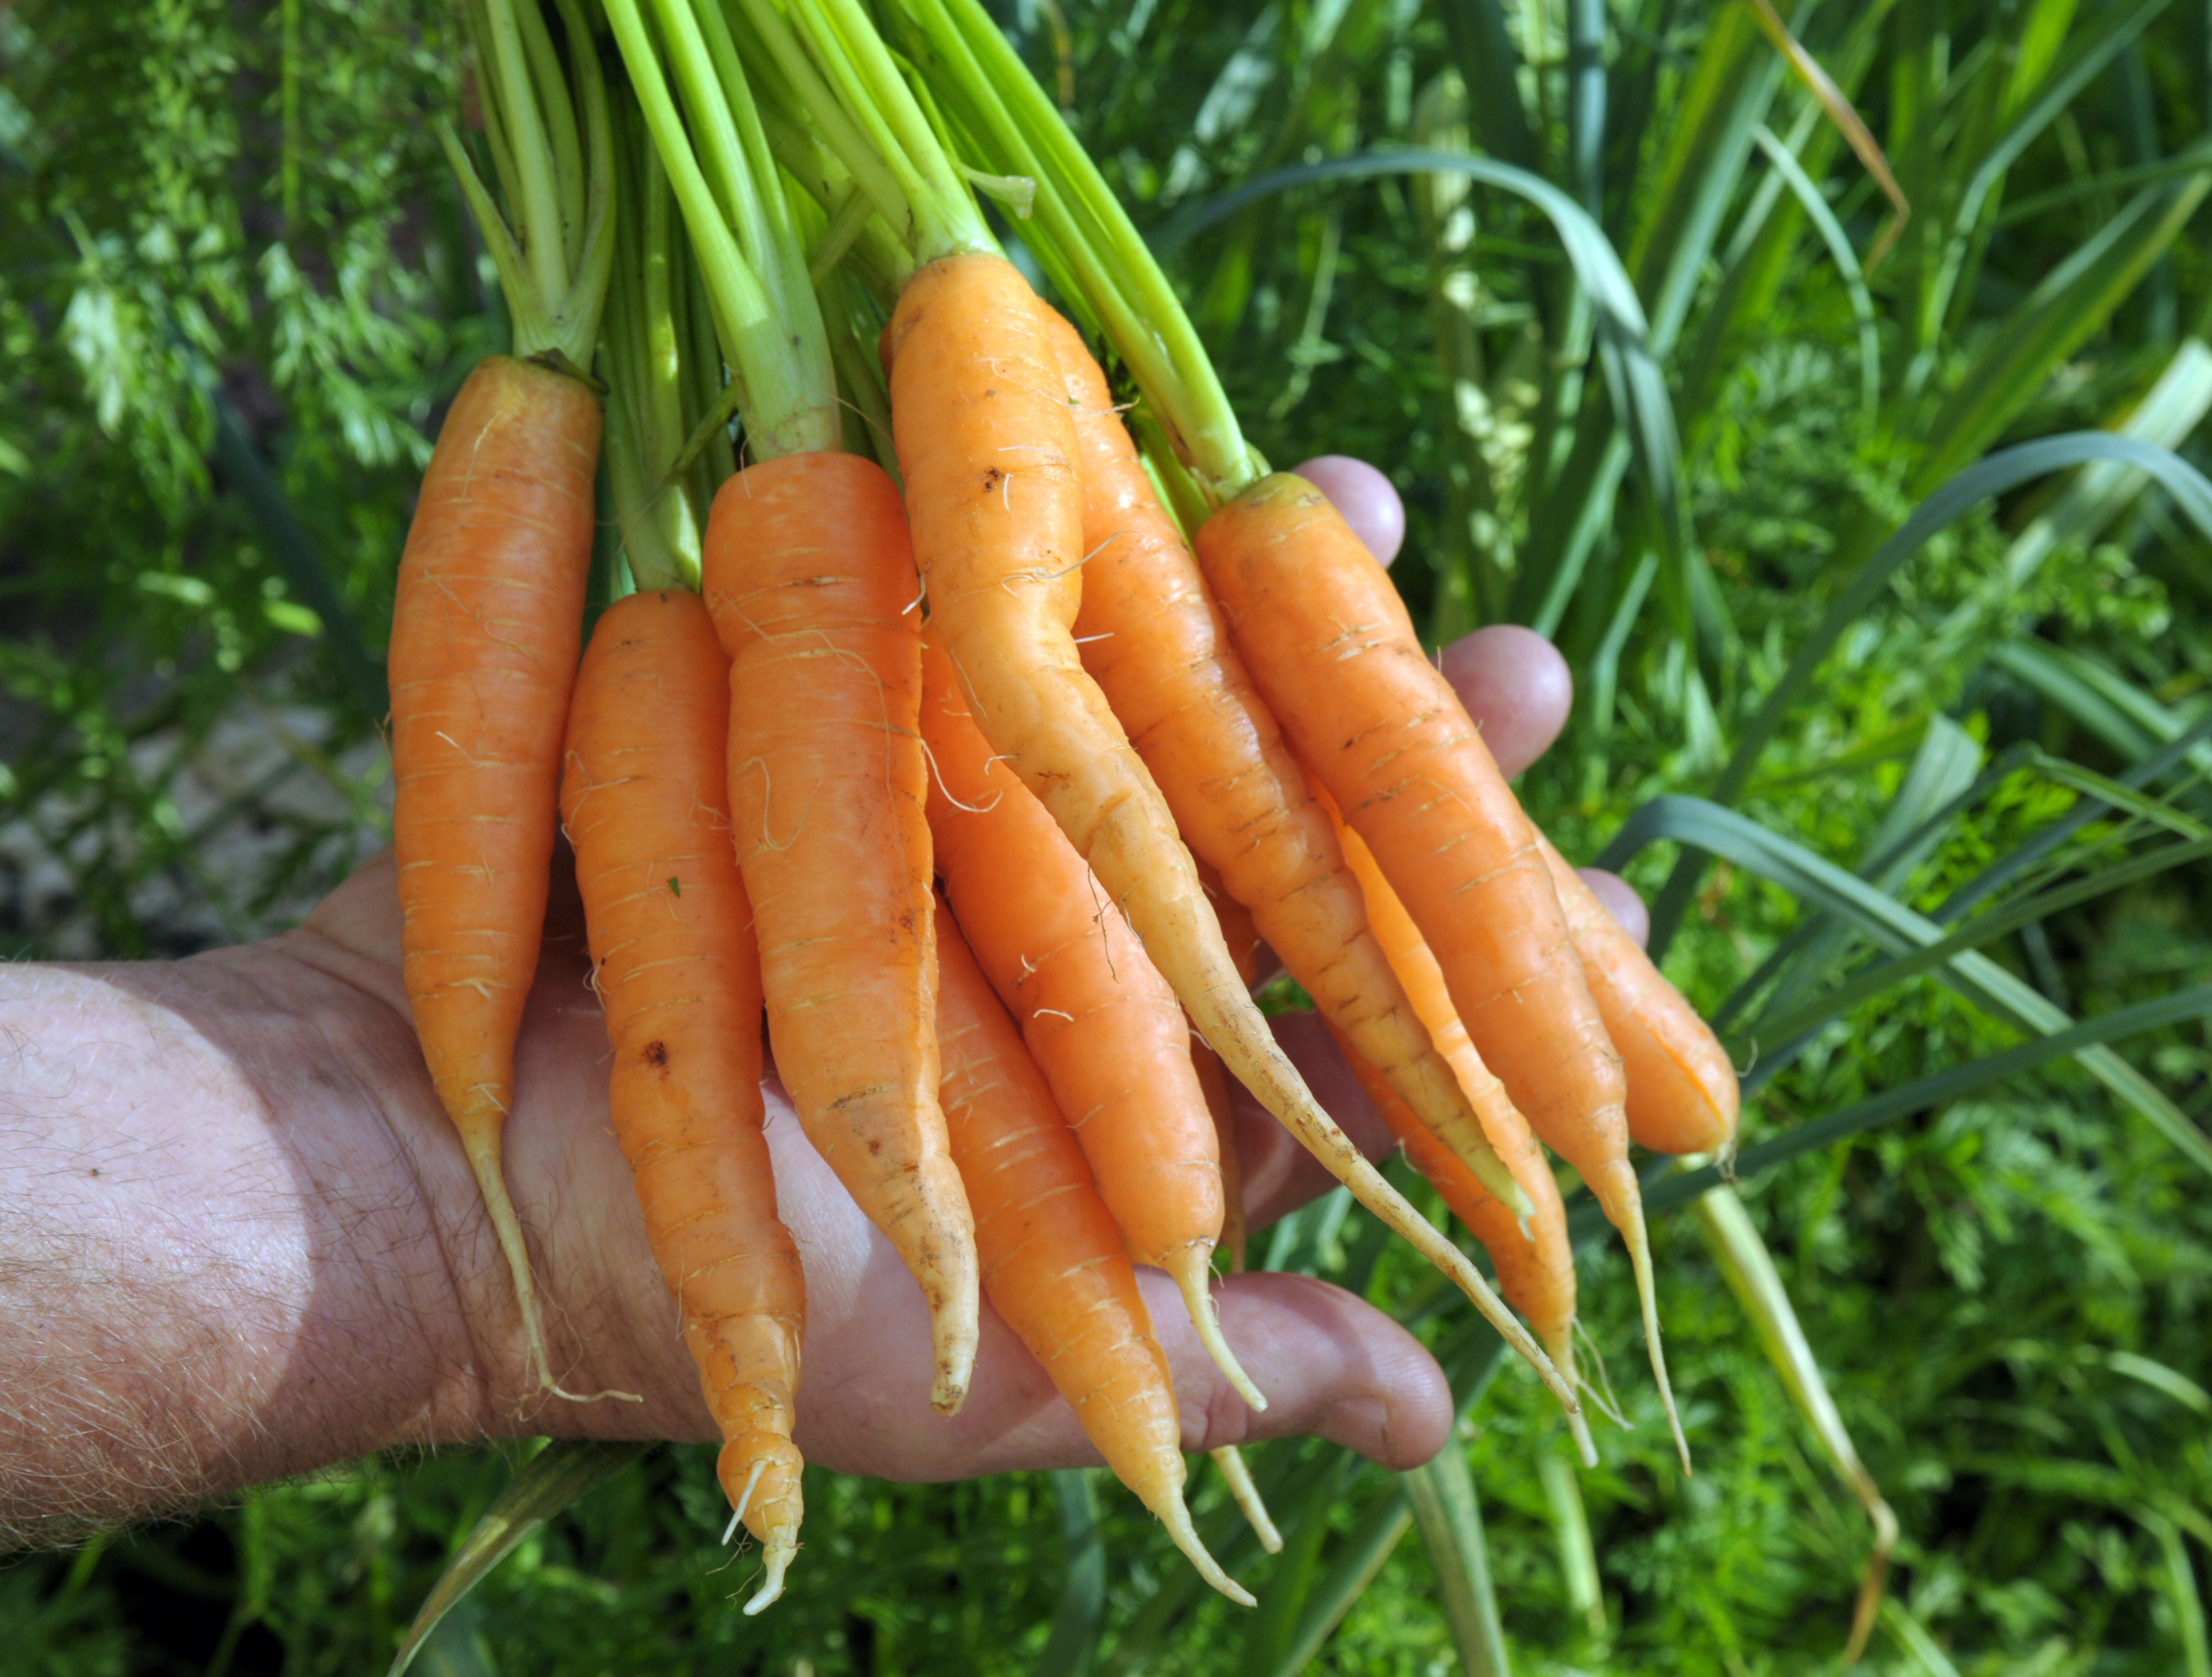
[244,1242]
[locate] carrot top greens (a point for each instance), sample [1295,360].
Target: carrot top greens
[716,154]
[555,258]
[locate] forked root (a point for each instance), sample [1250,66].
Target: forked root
[1562,1348]
[1238,1478]
[1176,1518]
[1193,1268]
[1625,1207]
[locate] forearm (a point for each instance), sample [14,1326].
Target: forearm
[234,1242]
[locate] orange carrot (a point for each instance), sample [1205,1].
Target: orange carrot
[986,445]
[643,801]
[1102,1023]
[1682,1093]
[1213,1083]
[1052,1254]
[1161,653]
[1335,654]
[811,583]
[485,635]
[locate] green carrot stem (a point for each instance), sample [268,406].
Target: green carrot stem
[554,257]
[646,426]
[1092,251]
[844,82]
[732,199]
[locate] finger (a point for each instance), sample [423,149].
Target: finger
[1515,686]
[1620,900]
[1280,1175]
[1364,497]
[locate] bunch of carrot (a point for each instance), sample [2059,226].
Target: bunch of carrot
[929,742]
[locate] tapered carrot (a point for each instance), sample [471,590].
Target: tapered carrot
[643,802]
[1053,1258]
[486,623]
[1682,1091]
[1102,1024]
[1160,652]
[987,448]
[1328,640]
[488,617]
[809,578]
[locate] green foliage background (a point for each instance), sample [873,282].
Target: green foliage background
[235,288]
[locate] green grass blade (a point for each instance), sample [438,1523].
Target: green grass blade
[1846,260]
[1483,49]
[2004,471]
[1352,1568]
[1748,1269]
[1919,1096]
[1896,928]
[1882,975]
[1570,1530]
[1271,1627]
[2084,60]
[553,1479]
[1450,1517]
[2005,870]
[2055,321]
[1073,1643]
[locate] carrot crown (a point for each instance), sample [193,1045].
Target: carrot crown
[554,260]
[1081,235]
[751,256]
[835,71]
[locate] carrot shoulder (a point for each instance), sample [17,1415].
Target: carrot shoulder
[986,445]
[1101,1022]
[643,800]
[486,626]
[1053,1261]
[811,583]
[1682,1091]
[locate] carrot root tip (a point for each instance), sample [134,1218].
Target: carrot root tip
[1176,1518]
[1238,1478]
[776,1559]
[1192,1268]
[1639,1262]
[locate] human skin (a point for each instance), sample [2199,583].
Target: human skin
[240,1240]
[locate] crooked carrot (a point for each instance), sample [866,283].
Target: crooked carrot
[1053,1258]
[807,575]
[1102,1024]
[672,951]
[488,615]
